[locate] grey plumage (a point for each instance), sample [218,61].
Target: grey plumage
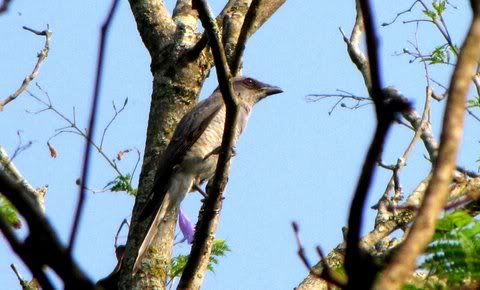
[190,158]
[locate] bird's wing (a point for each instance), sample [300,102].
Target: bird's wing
[187,132]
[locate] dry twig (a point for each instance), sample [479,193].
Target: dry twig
[42,55]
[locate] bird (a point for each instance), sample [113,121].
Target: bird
[190,158]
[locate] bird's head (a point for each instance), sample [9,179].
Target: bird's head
[251,91]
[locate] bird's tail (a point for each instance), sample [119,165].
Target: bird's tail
[167,205]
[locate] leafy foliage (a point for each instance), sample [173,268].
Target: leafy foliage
[219,249]
[9,212]
[474,103]
[438,9]
[439,6]
[453,255]
[122,183]
[439,55]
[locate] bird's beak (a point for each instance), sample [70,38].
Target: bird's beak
[272,90]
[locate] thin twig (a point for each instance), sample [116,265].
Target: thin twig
[42,55]
[117,112]
[21,146]
[124,223]
[49,106]
[326,274]
[400,14]
[91,125]
[23,283]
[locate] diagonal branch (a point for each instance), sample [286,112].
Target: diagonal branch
[19,248]
[42,246]
[262,13]
[91,124]
[42,55]
[199,256]
[9,168]
[436,194]
[387,104]
[246,30]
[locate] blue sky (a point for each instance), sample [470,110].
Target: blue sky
[294,162]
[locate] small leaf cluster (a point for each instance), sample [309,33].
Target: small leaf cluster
[438,9]
[440,55]
[122,183]
[178,263]
[474,103]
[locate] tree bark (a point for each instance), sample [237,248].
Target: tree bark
[177,81]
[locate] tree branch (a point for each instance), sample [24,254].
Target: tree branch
[5,5]
[192,276]
[386,107]
[436,194]
[154,23]
[242,38]
[9,168]
[91,123]
[42,55]
[41,247]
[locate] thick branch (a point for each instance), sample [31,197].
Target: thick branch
[192,276]
[10,168]
[436,195]
[154,23]
[42,247]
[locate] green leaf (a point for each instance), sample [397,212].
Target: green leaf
[438,55]
[177,266]
[430,14]
[9,213]
[122,183]
[452,256]
[439,6]
[473,103]
[178,263]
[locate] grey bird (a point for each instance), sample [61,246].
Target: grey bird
[191,156]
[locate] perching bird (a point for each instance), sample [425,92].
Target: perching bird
[191,156]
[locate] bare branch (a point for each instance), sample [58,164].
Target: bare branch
[263,12]
[5,5]
[72,127]
[91,125]
[42,55]
[326,273]
[25,284]
[400,14]
[115,115]
[9,168]
[436,194]
[242,38]
[42,246]
[206,226]
[387,104]
[124,223]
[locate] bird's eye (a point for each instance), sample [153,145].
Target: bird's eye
[249,82]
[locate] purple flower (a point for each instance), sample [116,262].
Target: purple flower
[186,226]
